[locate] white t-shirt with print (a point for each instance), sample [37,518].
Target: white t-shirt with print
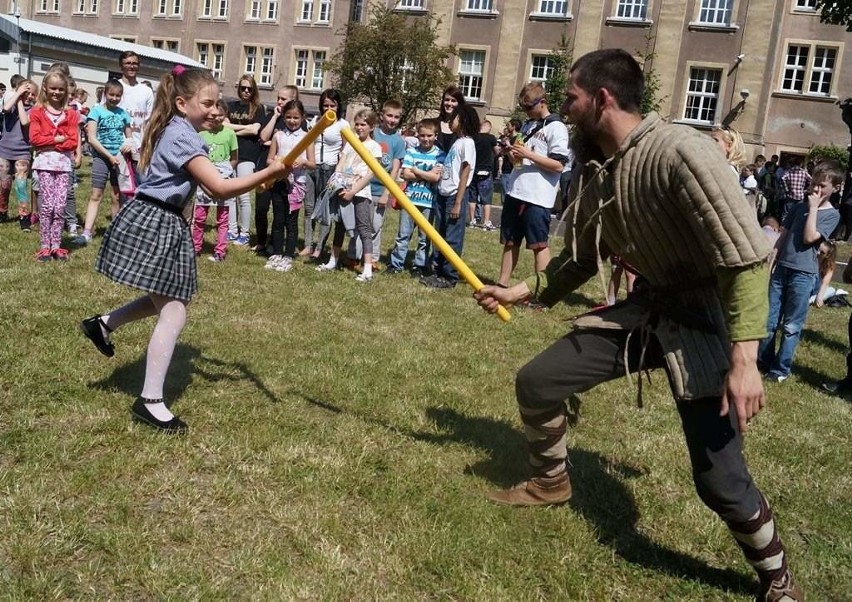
[138,101]
[531,183]
[352,167]
[462,151]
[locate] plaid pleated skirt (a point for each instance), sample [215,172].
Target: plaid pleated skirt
[150,248]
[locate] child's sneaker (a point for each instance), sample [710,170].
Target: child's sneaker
[216,258]
[489,226]
[272,262]
[60,254]
[325,267]
[363,278]
[472,224]
[242,240]
[82,240]
[25,222]
[285,265]
[43,255]
[232,237]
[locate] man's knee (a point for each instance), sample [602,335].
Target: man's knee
[730,494]
[529,386]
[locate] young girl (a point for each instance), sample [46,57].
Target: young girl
[109,133]
[456,176]
[287,196]
[15,141]
[246,115]
[327,152]
[356,178]
[222,145]
[54,134]
[827,256]
[148,245]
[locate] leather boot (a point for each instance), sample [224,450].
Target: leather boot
[782,590]
[538,491]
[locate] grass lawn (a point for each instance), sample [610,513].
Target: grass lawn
[342,437]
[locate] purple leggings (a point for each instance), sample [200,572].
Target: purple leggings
[53,190]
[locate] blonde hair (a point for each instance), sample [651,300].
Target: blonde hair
[181,82]
[367,115]
[736,154]
[50,76]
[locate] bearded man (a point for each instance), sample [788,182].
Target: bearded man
[663,198]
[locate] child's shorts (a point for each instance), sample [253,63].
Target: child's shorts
[103,171]
[521,220]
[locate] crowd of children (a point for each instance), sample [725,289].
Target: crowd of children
[42,134]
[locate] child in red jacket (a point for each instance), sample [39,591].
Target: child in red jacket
[54,135]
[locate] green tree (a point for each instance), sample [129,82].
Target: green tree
[393,56]
[830,152]
[836,12]
[650,100]
[560,59]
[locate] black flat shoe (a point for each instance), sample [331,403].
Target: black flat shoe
[140,413]
[91,327]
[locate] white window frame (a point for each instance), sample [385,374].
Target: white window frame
[165,9]
[48,7]
[804,6]
[125,8]
[468,60]
[478,6]
[324,12]
[259,61]
[306,11]
[223,9]
[715,13]
[301,63]
[415,5]
[812,68]
[205,9]
[544,67]
[318,69]
[273,11]
[86,7]
[703,96]
[211,54]
[631,10]
[123,38]
[255,10]
[554,8]
[169,44]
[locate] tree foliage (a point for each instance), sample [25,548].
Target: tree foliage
[650,101]
[829,152]
[557,80]
[836,12]
[393,56]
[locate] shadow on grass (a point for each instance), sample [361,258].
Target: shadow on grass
[820,339]
[187,363]
[600,496]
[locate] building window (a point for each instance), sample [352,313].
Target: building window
[324,15]
[356,11]
[167,8]
[715,12]
[411,5]
[553,8]
[214,10]
[263,10]
[126,8]
[318,77]
[86,7]
[212,56]
[301,72]
[118,36]
[805,5]
[632,9]
[309,69]
[702,96]
[165,44]
[541,68]
[260,63]
[471,69]
[48,7]
[800,68]
[479,6]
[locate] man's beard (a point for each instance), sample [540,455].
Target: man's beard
[584,146]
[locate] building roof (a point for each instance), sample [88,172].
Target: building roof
[80,39]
